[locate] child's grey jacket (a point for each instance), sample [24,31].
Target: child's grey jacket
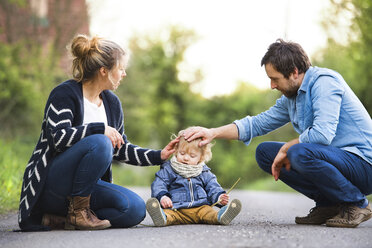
[186,192]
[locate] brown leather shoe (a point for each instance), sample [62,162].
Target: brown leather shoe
[55,222]
[350,216]
[318,215]
[81,217]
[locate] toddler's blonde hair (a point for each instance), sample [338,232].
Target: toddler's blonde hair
[206,150]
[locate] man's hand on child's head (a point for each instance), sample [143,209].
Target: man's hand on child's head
[192,133]
[223,199]
[166,202]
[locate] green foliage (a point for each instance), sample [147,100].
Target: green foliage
[156,104]
[354,59]
[13,159]
[152,90]
[129,175]
[25,82]
[18,3]
[17,95]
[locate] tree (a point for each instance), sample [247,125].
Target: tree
[33,49]
[157,103]
[48,24]
[353,59]
[155,100]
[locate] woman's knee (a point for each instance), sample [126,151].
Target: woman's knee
[101,143]
[139,213]
[121,206]
[100,146]
[131,215]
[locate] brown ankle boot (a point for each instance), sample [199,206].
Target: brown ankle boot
[55,222]
[81,217]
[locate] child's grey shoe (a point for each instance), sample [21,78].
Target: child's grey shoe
[156,212]
[229,212]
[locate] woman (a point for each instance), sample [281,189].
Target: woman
[69,172]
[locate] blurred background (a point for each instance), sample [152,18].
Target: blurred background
[191,63]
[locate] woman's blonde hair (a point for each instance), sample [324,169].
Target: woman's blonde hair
[206,150]
[90,54]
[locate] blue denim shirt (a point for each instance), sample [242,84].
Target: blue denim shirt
[325,111]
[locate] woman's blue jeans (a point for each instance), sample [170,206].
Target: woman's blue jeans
[326,174]
[77,172]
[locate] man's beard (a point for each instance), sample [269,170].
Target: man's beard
[290,93]
[292,89]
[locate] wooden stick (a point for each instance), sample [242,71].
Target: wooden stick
[214,204]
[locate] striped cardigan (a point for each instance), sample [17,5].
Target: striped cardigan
[62,127]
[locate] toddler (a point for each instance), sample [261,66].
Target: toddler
[185,188]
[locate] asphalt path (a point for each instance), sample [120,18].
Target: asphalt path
[266,220]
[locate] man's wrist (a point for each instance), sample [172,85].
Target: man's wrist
[213,132]
[289,144]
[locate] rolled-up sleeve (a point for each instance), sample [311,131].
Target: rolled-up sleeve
[245,129]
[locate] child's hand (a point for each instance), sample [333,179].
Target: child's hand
[223,199]
[166,202]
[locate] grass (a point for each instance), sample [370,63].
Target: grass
[13,159]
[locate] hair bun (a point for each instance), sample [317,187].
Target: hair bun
[94,44]
[82,46]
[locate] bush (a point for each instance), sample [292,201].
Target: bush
[25,83]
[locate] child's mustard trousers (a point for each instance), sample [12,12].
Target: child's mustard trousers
[199,215]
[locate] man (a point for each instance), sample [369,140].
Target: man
[331,160]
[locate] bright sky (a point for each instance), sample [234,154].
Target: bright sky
[234,35]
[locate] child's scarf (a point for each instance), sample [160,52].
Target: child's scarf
[186,170]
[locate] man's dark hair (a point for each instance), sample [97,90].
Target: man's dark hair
[285,57]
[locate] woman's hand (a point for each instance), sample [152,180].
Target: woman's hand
[115,137]
[169,149]
[223,199]
[166,202]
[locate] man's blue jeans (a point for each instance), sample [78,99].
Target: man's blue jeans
[326,174]
[77,172]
